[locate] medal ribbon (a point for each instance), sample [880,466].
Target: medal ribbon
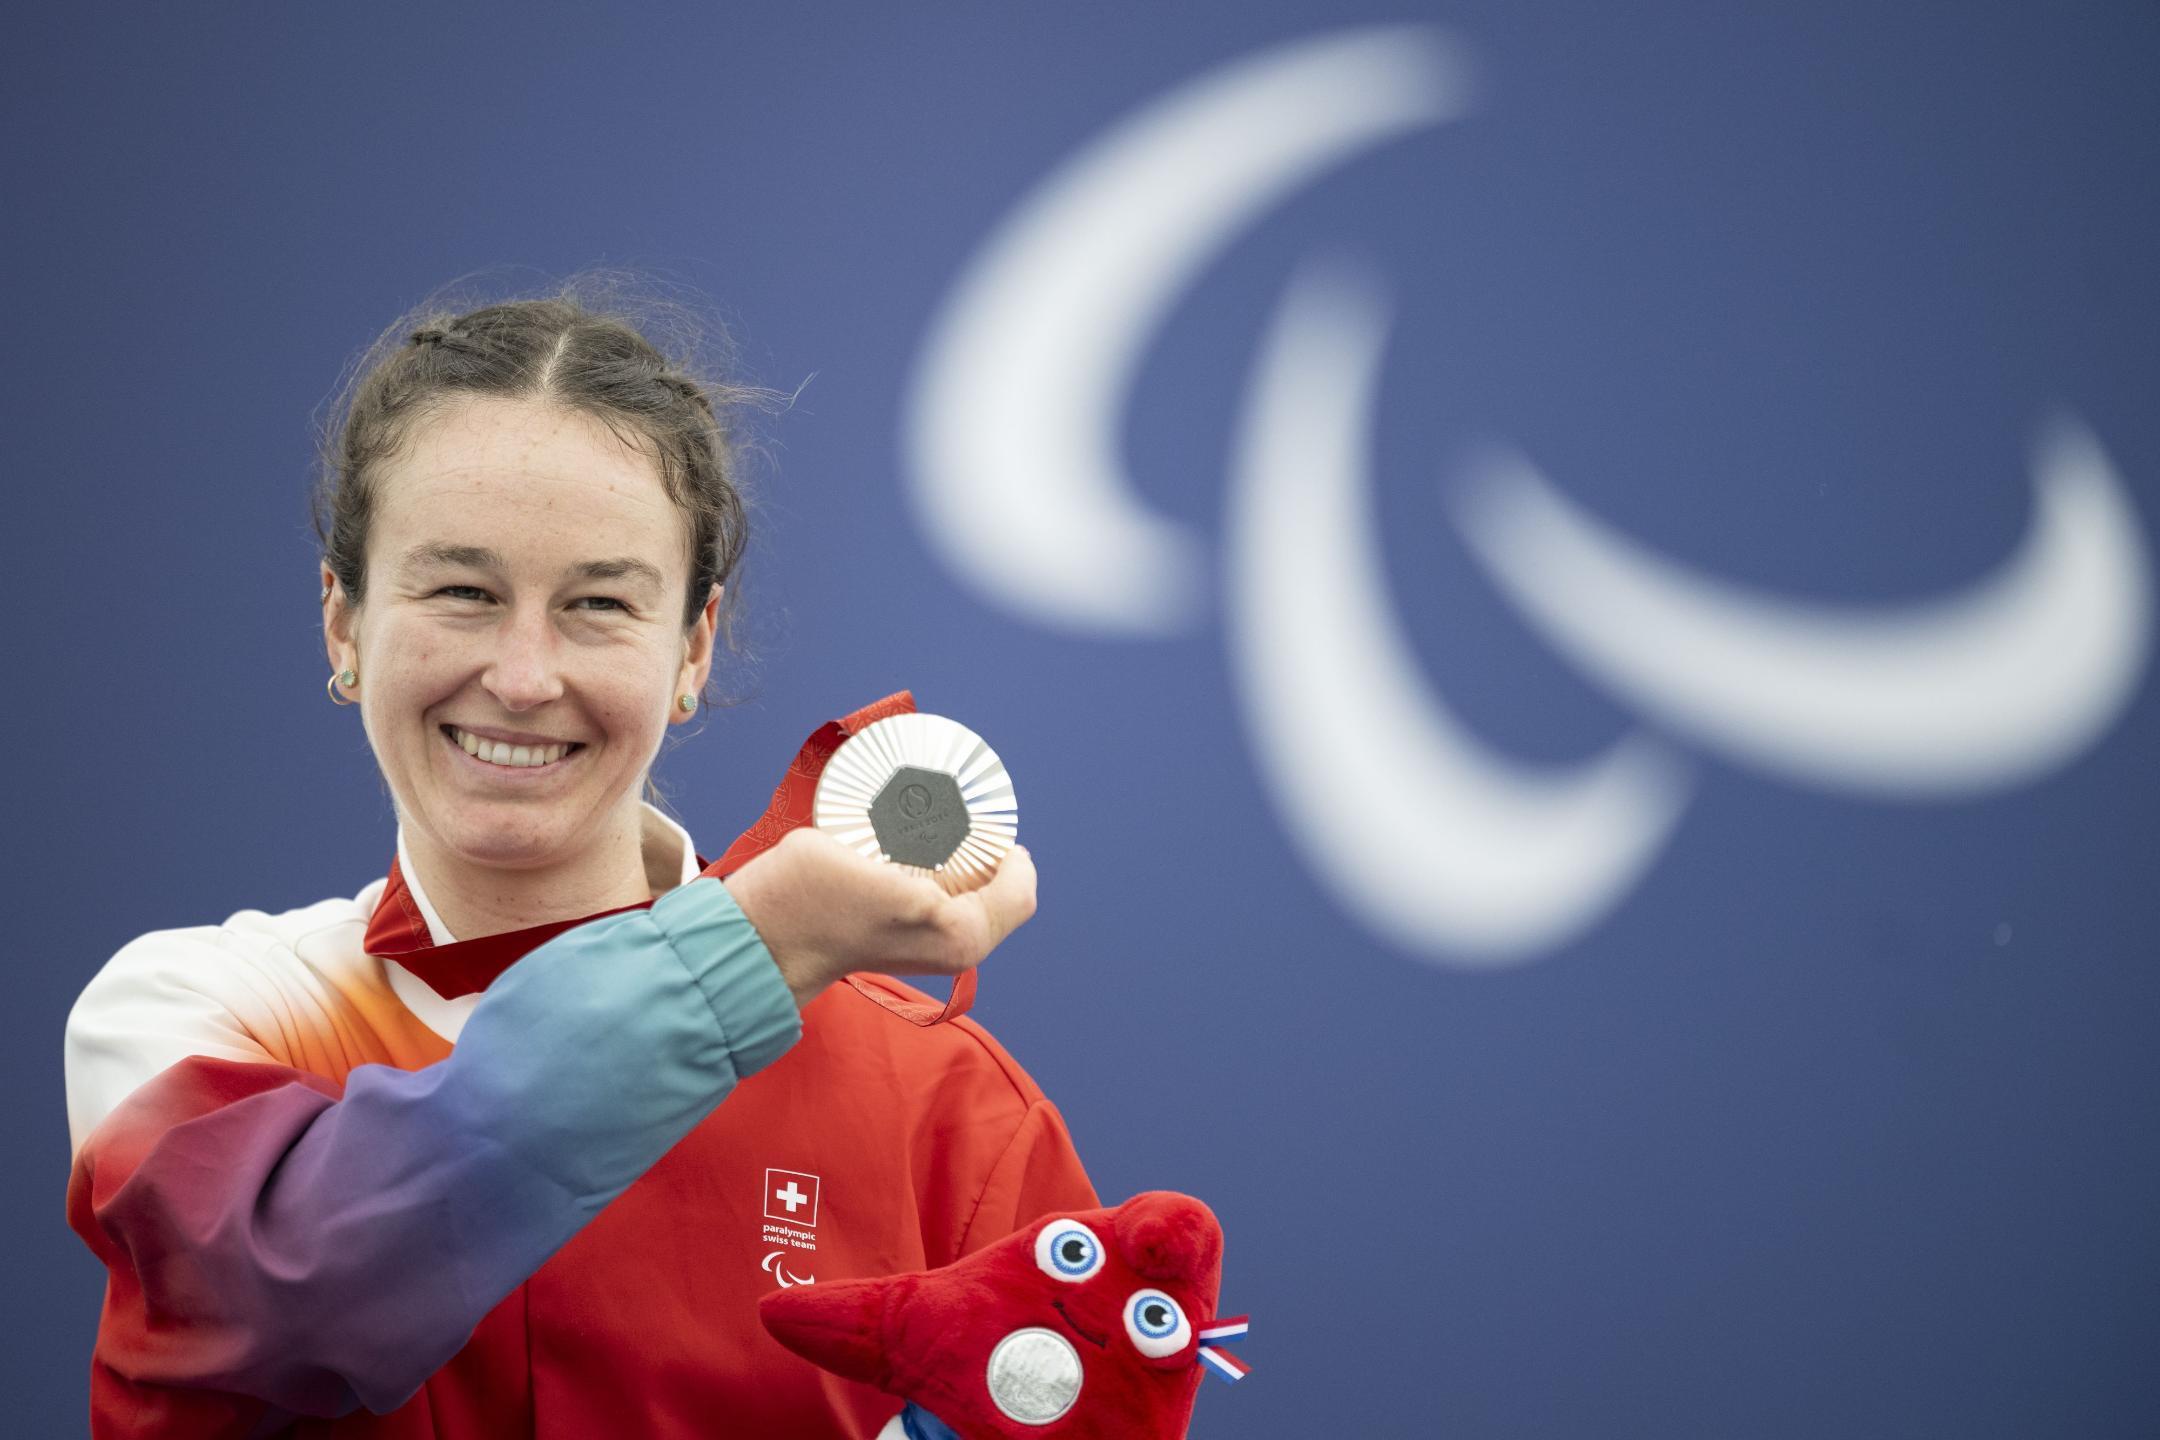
[397,931]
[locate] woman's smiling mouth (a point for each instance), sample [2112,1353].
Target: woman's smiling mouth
[500,754]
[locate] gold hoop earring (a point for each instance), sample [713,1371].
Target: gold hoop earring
[686,703]
[345,678]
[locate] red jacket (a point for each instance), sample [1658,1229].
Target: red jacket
[877,1143]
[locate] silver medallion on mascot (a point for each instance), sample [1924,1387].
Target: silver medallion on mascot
[1034,1375]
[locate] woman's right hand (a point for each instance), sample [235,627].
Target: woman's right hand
[824,911]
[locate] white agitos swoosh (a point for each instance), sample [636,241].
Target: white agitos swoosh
[1019,397]
[776,1262]
[1429,837]
[1971,691]
[1424,833]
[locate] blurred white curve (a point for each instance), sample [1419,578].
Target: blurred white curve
[1015,419]
[1449,849]
[1984,688]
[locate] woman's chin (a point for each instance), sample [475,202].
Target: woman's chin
[510,856]
[513,842]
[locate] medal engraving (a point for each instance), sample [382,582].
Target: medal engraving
[919,817]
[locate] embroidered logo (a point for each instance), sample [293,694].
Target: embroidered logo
[791,1217]
[777,1264]
[791,1197]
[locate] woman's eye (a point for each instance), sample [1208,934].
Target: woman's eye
[583,602]
[1156,1324]
[1068,1250]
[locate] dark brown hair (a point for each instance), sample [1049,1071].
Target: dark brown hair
[585,348]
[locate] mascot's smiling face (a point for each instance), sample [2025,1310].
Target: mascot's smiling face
[1079,1325]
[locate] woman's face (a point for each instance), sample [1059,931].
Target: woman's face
[524,599]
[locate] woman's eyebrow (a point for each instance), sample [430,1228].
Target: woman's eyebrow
[625,567]
[436,554]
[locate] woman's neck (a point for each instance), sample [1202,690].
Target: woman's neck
[473,900]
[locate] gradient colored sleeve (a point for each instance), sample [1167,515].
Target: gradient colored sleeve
[271,1237]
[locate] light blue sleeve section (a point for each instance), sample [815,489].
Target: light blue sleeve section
[342,1251]
[591,1056]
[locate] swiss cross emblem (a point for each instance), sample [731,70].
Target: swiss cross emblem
[791,1196]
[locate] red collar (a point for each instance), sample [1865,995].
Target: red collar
[399,932]
[463,967]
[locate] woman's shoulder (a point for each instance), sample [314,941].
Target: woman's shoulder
[323,932]
[302,923]
[290,987]
[892,1017]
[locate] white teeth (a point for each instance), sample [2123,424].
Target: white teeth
[497,752]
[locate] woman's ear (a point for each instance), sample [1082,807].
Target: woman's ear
[697,655]
[338,642]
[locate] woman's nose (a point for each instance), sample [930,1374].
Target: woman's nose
[524,672]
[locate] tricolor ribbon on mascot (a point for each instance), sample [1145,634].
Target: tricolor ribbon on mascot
[1218,1360]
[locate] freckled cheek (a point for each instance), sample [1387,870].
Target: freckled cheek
[421,685]
[629,700]
[414,663]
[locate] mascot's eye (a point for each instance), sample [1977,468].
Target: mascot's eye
[1068,1250]
[1156,1324]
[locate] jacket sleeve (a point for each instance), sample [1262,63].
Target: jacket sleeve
[272,1237]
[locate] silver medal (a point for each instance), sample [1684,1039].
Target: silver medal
[921,791]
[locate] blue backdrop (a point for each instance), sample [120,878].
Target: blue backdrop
[1724,1006]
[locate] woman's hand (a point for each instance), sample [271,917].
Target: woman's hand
[823,911]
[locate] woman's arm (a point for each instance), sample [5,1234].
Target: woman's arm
[269,1237]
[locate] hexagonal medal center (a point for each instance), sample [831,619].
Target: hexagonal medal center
[919,817]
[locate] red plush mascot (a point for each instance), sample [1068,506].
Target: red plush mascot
[1084,1326]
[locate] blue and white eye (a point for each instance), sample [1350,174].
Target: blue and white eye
[1068,1250]
[1156,1324]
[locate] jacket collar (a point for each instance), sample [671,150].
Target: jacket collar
[406,928]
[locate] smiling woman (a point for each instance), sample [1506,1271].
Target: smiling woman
[532,567]
[421,1162]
